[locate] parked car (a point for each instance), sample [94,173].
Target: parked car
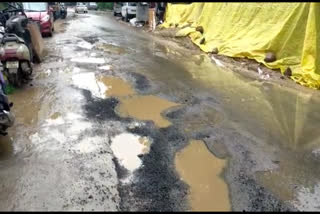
[117,6]
[81,7]
[128,10]
[56,9]
[41,13]
[92,6]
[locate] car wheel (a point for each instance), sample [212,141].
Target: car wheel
[50,33]
[114,13]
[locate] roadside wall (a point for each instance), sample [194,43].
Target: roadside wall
[290,30]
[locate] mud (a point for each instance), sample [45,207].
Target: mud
[109,48]
[116,86]
[55,115]
[145,108]
[65,148]
[201,171]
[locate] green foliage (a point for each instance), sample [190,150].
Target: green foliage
[9,89]
[105,5]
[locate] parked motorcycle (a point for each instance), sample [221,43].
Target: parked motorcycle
[6,116]
[16,47]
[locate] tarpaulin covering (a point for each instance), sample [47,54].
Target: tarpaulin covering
[290,30]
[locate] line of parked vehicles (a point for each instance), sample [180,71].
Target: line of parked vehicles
[84,7]
[128,10]
[19,25]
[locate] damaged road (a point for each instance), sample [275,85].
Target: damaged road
[116,119]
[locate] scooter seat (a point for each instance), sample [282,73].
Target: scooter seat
[12,38]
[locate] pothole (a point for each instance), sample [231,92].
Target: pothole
[145,108]
[201,170]
[127,148]
[116,86]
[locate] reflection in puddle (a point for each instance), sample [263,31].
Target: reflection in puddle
[126,147]
[110,48]
[27,104]
[295,172]
[105,67]
[85,45]
[116,86]
[146,108]
[278,184]
[308,199]
[6,147]
[201,170]
[201,119]
[55,115]
[88,60]
[89,82]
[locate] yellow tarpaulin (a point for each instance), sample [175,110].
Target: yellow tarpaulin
[290,30]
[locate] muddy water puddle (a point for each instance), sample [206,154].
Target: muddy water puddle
[131,105]
[294,172]
[202,118]
[201,170]
[89,82]
[109,48]
[55,115]
[116,86]
[28,105]
[127,147]
[146,108]
[102,86]
[88,60]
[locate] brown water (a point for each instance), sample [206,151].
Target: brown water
[292,172]
[145,108]
[55,115]
[209,118]
[26,105]
[110,48]
[116,86]
[201,170]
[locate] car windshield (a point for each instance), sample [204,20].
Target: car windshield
[81,4]
[93,4]
[35,6]
[132,4]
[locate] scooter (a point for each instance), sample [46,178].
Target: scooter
[16,48]
[7,118]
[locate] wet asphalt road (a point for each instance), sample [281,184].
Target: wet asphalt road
[67,150]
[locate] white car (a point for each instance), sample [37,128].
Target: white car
[81,7]
[128,10]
